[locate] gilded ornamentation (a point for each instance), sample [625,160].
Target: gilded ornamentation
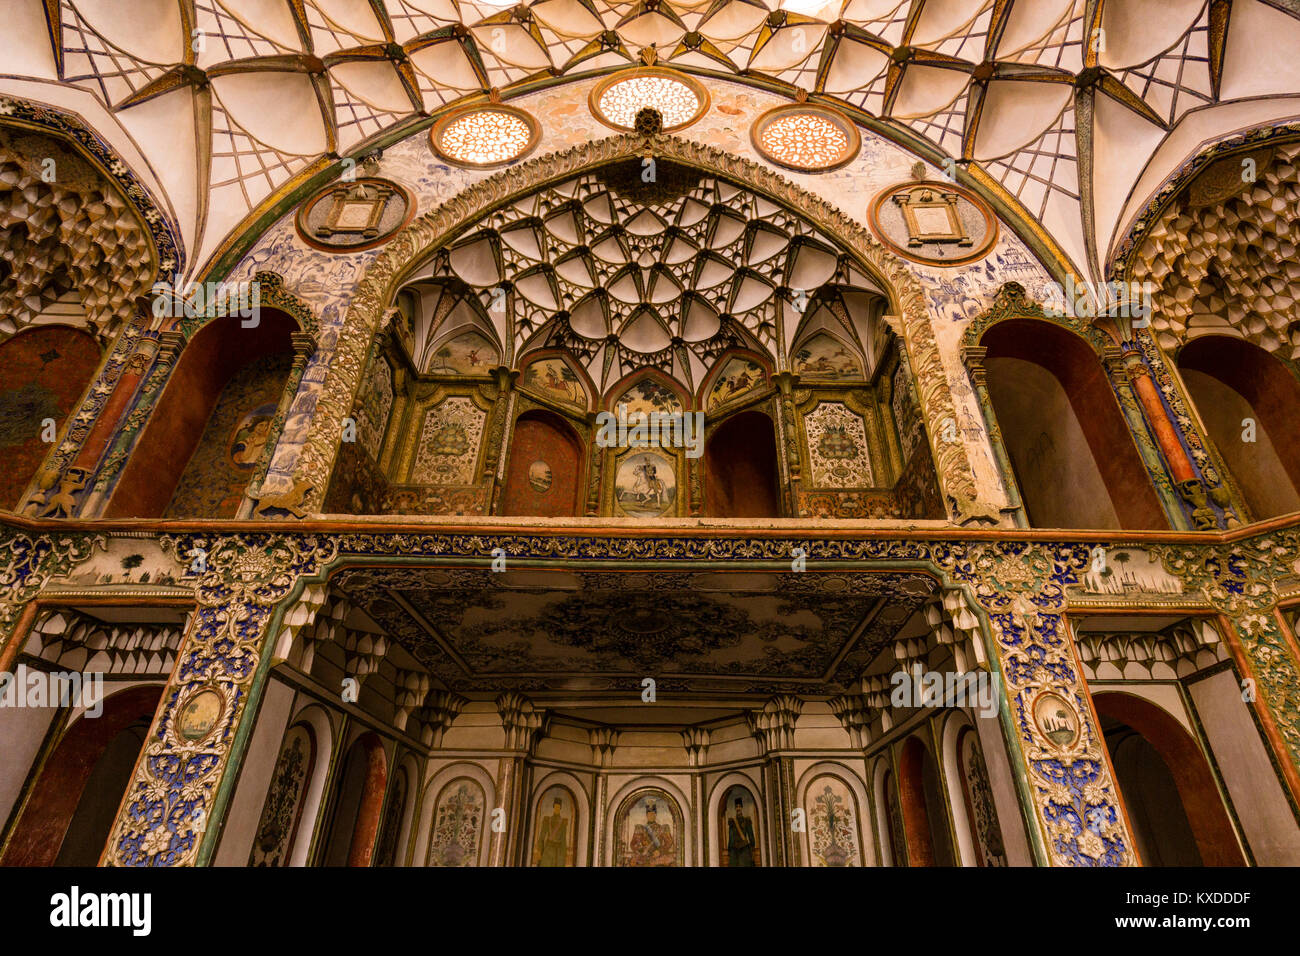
[379,284]
[243,579]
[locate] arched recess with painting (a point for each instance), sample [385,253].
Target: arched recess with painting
[1074,458]
[46,371]
[741,477]
[67,817]
[924,813]
[207,434]
[1249,402]
[1175,809]
[544,476]
[358,805]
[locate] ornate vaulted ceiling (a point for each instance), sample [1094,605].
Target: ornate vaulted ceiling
[625,273]
[232,99]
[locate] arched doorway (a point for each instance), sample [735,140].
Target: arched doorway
[925,816]
[544,477]
[68,817]
[209,428]
[1070,447]
[46,370]
[740,470]
[1250,404]
[1175,811]
[359,804]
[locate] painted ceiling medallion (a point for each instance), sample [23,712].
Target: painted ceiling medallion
[677,98]
[805,137]
[935,222]
[350,216]
[485,136]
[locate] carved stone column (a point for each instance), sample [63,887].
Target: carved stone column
[595,462]
[604,741]
[789,433]
[773,727]
[168,351]
[1145,437]
[1186,480]
[522,724]
[973,356]
[304,347]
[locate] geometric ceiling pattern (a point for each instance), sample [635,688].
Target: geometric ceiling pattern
[626,274]
[1059,104]
[701,633]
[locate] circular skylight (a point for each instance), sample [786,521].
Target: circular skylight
[805,137]
[678,99]
[485,136]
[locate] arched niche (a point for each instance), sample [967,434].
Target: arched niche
[448,227]
[832,800]
[649,829]
[285,798]
[559,827]
[46,371]
[1175,812]
[388,847]
[1073,455]
[889,828]
[69,815]
[544,474]
[212,423]
[924,813]
[741,476]
[358,805]
[1250,405]
[455,824]
[970,795]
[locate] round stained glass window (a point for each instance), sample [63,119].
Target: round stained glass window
[677,98]
[485,135]
[806,137]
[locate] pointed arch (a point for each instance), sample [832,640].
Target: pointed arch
[416,242]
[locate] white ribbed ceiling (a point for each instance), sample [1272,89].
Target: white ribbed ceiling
[230,99]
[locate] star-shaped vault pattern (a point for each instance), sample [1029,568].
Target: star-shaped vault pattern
[1070,111]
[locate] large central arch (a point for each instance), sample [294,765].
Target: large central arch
[416,242]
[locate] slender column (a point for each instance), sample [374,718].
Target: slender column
[1148,444]
[773,727]
[603,742]
[522,724]
[785,382]
[304,346]
[974,357]
[164,360]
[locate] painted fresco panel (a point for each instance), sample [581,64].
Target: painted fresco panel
[213,483]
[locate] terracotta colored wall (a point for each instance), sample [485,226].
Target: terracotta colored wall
[1215,838]
[213,483]
[542,436]
[740,470]
[1230,380]
[372,803]
[176,426]
[48,812]
[43,373]
[916,823]
[1095,407]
